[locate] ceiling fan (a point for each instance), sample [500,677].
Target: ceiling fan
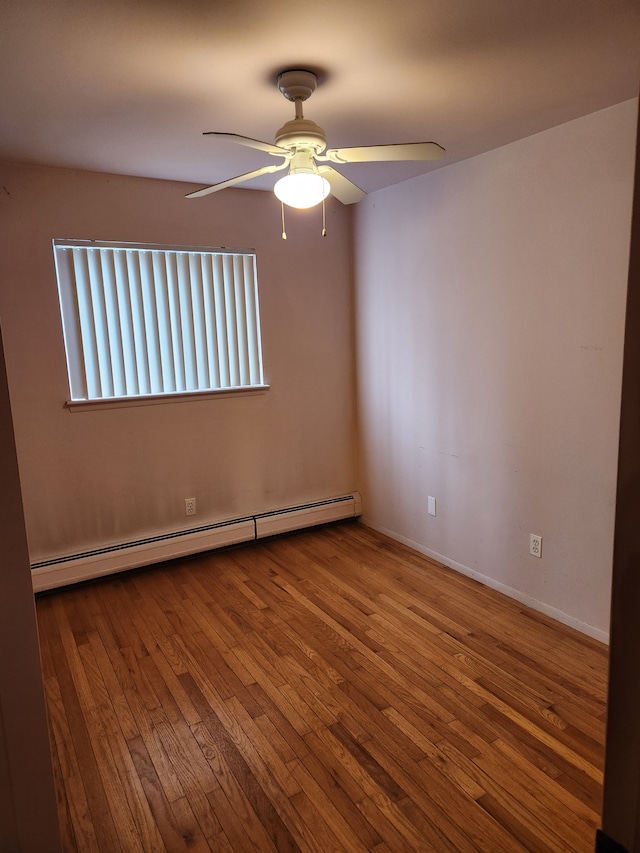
[302,146]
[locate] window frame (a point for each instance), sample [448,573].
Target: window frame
[233,309]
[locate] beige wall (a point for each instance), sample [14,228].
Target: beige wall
[490,303]
[92,478]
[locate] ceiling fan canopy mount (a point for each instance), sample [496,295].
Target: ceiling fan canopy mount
[297,84]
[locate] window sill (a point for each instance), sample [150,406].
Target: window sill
[158,399]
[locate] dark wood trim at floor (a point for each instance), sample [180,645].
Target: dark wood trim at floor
[330,690]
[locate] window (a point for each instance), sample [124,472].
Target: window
[145,320]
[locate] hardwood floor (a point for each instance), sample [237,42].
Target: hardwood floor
[325,691]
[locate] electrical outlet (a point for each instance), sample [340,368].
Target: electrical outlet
[189,506]
[431,505]
[535,545]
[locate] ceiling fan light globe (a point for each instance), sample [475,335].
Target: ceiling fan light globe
[302,190]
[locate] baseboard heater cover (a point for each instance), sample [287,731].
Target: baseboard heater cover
[61,571]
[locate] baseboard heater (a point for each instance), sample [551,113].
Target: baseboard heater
[60,571]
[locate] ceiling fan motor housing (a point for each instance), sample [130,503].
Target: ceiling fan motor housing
[301,133]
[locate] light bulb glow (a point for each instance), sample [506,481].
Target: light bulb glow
[302,189]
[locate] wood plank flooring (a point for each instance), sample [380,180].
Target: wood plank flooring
[325,691]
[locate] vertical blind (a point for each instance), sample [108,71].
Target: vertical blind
[144,320]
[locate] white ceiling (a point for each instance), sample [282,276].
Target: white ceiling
[128,86]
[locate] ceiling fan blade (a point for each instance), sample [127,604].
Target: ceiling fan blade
[342,188]
[265,170]
[377,153]
[250,143]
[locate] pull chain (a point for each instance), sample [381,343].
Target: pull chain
[324,220]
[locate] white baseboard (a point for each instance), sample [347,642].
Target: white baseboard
[510,592]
